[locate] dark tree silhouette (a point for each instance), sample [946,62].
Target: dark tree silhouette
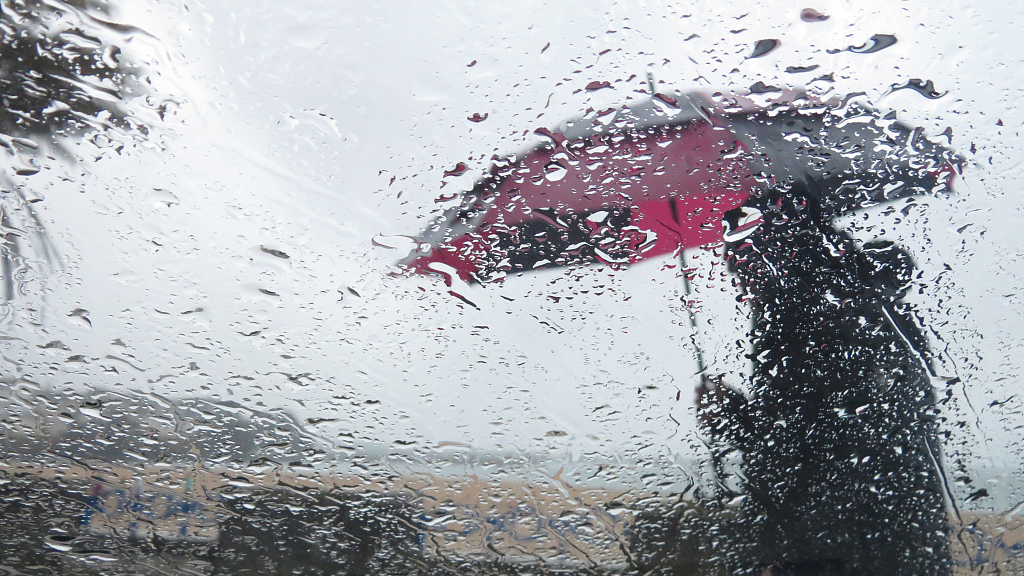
[62,75]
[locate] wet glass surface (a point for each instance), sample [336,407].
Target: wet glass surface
[482,288]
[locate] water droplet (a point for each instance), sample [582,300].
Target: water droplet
[554,171]
[812,15]
[80,317]
[458,170]
[874,44]
[762,88]
[275,253]
[763,47]
[54,345]
[925,88]
[740,223]
[799,69]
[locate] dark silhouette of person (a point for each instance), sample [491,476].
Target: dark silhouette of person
[841,466]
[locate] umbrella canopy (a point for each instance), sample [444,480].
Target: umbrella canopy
[647,180]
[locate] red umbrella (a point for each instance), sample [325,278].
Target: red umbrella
[643,181]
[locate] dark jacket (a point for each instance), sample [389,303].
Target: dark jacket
[840,456]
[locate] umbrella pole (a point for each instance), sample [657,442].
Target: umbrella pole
[701,367]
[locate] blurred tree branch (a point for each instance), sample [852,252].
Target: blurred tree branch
[62,75]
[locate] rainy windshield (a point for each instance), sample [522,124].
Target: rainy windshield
[462,288]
